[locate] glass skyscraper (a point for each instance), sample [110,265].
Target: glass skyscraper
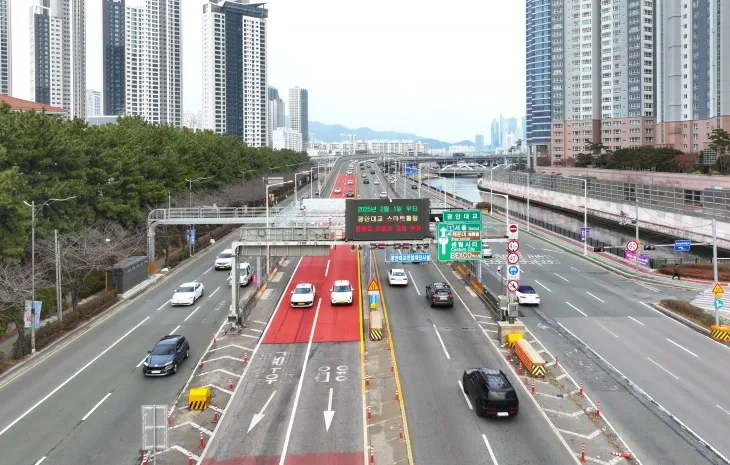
[539,88]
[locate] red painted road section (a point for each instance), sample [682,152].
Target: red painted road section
[334,324]
[309,459]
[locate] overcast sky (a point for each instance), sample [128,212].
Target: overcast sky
[440,69]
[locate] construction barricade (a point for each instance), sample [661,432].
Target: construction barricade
[376,325]
[720,333]
[199,398]
[529,357]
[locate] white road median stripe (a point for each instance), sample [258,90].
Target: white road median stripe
[631,317]
[489,448]
[600,300]
[448,357]
[544,286]
[41,460]
[96,407]
[216,290]
[664,369]
[192,313]
[466,398]
[71,378]
[560,277]
[683,348]
[576,309]
[162,306]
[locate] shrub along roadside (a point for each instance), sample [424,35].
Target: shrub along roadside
[698,271]
[689,311]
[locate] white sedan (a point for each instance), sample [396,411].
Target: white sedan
[187,294]
[397,277]
[526,295]
[303,295]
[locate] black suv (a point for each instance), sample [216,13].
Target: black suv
[440,294]
[166,356]
[491,392]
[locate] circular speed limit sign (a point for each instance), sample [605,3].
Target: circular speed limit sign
[632,246]
[513,258]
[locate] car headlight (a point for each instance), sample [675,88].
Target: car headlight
[168,363]
[145,363]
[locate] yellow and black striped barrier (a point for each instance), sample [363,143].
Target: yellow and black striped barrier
[376,325]
[199,398]
[529,357]
[376,334]
[720,333]
[538,370]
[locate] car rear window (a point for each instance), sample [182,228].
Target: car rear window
[398,273]
[442,292]
[341,289]
[527,290]
[185,289]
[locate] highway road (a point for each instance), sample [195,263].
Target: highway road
[81,403]
[673,364]
[302,402]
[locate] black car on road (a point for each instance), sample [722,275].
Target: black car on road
[166,356]
[440,294]
[350,193]
[491,392]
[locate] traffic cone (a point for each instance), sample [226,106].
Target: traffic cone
[372,455]
[169,419]
[215,417]
[400,433]
[519,370]
[190,458]
[509,356]
[214,341]
[556,360]
[580,390]
[387,344]
[225,332]
[200,365]
[366,356]
[144,459]
[533,387]
[583,453]
[230,383]
[623,455]
[367,382]
[370,413]
[202,440]
[598,409]
[397,398]
[392,366]
[526,382]
[245,358]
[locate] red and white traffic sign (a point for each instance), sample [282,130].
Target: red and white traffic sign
[513,228]
[513,258]
[513,285]
[513,246]
[632,246]
[512,231]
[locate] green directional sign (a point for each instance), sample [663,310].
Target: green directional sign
[460,235]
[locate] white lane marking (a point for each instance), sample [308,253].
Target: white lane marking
[541,284]
[216,290]
[711,341]
[162,306]
[192,313]
[260,322]
[96,407]
[415,286]
[576,309]
[327,270]
[145,357]
[528,245]
[715,406]
[255,330]
[41,460]
[175,329]
[683,348]
[489,448]
[576,269]
[646,286]
[642,324]
[598,299]
[560,277]
[206,271]
[443,346]
[287,438]
[71,378]
[482,316]
[607,330]
[665,370]
[466,398]
[472,293]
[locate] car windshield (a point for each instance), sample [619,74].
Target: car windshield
[185,289]
[303,290]
[527,290]
[398,273]
[163,349]
[341,288]
[225,255]
[242,271]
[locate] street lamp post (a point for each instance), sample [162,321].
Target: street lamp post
[268,224]
[506,202]
[296,198]
[585,215]
[190,188]
[311,181]
[32,206]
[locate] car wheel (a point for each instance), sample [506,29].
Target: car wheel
[174,369]
[187,353]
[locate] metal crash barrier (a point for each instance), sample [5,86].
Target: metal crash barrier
[529,357]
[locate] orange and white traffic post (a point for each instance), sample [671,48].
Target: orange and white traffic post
[583,453]
[580,390]
[598,409]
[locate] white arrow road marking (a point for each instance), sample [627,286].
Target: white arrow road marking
[257,417]
[329,413]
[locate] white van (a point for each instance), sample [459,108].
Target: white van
[244,274]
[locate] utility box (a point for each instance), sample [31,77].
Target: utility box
[126,274]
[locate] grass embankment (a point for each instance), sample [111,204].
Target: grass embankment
[691,312]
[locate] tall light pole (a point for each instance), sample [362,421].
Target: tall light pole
[585,217]
[311,181]
[268,224]
[506,202]
[296,198]
[190,188]
[32,206]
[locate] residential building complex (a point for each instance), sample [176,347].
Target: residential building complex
[494,139]
[235,71]
[283,138]
[58,55]
[539,88]
[114,72]
[299,112]
[93,103]
[351,146]
[276,113]
[152,54]
[6,77]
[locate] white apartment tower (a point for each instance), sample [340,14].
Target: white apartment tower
[6,61]
[235,70]
[153,61]
[276,117]
[58,54]
[299,113]
[93,103]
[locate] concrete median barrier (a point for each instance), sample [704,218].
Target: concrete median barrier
[199,398]
[529,357]
[376,325]
[720,333]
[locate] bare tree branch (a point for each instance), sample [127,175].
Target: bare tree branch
[16,282]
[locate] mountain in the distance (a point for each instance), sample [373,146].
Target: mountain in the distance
[331,133]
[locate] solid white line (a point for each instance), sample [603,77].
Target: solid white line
[642,324]
[216,290]
[665,370]
[683,348]
[96,407]
[600,300]
[162,306]
[541,284]
[489,448]
[528,245]
[715,406]
[466,398]
[206,271]
[327,270]
[71,378]
[282,461]
[576,269]
[415,286]
[41,460]
[443,346]
[191,314]
[607,330]
[176,328]
[576,309]
[560,277]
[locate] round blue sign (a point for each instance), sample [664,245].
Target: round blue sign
[513,270]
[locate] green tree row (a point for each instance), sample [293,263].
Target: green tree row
[117,172]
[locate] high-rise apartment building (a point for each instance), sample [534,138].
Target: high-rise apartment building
[6,62]
[494,140]
[93,103]
[536,124]
[58,54]
[276,113]
[235,70]
[299,113]
[693,72]
[153,61]
[479,142]
[113,34]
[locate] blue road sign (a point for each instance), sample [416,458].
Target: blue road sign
[513,270]
[409,257]
[373,299]
[585,232]
[410,170]
[191,236]
[450,227]
[719,304]
[682,245]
